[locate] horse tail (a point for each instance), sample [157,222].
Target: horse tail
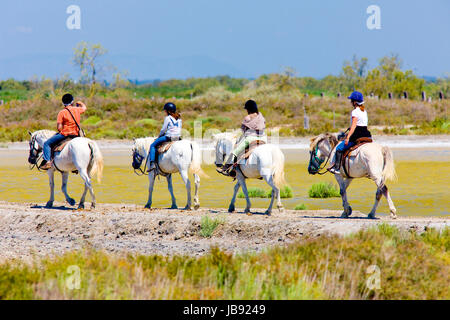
[388,166]
[196,160]
[278,165]
[96,163]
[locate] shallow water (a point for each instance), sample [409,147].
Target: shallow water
[422,187]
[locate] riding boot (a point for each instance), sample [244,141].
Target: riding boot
[45,165]
[337,163]
[225,169]
[152,166]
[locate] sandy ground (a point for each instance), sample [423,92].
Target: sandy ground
[30,230]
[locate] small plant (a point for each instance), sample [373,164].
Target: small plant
[300,206]
[323,190]
[208,225]
[285,192]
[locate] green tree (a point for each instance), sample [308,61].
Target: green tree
[87,58]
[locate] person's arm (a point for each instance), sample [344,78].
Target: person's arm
[81,105]
[352,129]
[164,128]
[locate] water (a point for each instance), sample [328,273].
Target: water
[422,187]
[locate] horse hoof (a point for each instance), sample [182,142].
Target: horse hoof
[196,207]
[81,206]
[350,210]
[49,204]
[71,201]
[231,209]
[268,213]
[187,208]
[174,207]
[148,206]
[92,205]
[371,216]
[344,215]
[281,209]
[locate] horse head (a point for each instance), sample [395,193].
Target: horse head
[321,148]
[35,149]
[224,143]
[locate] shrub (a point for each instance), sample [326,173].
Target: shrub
[208,225]
[323,190]
[285,192]
[300,206]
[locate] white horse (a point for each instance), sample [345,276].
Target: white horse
[266,162]
[80,154]
[182,156]
[371,160]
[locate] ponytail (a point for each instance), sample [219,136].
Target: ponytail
[176,115]
[361,107]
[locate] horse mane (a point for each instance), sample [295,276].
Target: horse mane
[331,137]
[46,134]
[143,144]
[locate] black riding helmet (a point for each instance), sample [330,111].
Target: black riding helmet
[170,107]
[251,106]
[67,99]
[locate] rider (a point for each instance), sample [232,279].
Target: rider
[252,128]
[171,131]
[357,130]
[66,126]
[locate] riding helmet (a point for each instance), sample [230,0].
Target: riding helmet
[67,99]
[251,106]
[357,96]
[170,107]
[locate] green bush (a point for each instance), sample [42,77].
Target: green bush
[301,206]
[323,190]
[285,192]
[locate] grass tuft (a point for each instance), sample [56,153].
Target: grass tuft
[323,190]
[300,206]
[208,225]
[254,192]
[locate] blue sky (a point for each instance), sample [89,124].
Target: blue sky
[174,38]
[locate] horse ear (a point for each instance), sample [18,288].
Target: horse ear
[31,134]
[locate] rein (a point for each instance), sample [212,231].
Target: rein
[138,157]
[317,159]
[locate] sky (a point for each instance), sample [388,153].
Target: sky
[153,39]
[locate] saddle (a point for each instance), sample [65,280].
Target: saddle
[60,146]
[346,155]
[245,155]
[164,147]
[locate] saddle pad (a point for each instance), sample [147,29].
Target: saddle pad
[359,143]
[165,146]
[61,145]
[248,151]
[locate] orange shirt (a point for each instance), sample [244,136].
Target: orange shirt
[69,126]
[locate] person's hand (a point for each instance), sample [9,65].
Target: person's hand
[78,103]
[346,141]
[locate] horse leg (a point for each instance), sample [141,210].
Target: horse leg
[232,207]
[51,182]
[241,180]
[343,185]
[65,178]
[170,187]
[187,183]
[275,192]
[151,180]
[390,202]
[197,186]
[87,186]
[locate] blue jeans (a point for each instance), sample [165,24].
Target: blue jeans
[341,147]
[154,145]
[51,142]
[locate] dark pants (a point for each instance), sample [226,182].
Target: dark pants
[50,143]
[155,144]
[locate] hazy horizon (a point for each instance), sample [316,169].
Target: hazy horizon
[180,39]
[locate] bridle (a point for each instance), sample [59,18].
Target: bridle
[316,162]
[137,163]
[34,157]
[224,156]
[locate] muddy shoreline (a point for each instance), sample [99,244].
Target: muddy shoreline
[30,230]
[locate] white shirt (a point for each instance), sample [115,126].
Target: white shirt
[171,127]
[361,116]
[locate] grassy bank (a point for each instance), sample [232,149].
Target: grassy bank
[411,266]
[121,115]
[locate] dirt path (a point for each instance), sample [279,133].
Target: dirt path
[28,230]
